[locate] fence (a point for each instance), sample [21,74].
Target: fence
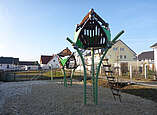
[32,75]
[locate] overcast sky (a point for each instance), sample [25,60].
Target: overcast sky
[30,28]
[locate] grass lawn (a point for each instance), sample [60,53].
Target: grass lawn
[55,73]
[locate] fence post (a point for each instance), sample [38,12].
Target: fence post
[130,73]
[145,71]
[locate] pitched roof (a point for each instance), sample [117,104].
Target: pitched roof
[146,55]
[126,45]
[45,59]
[9,60]
[65,52]
[154,45]
[91,12]
[28,63]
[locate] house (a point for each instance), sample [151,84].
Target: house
[47,61]
[120,52]
[119,55]
[146,57]
[44,59]
[29,65]
[54,62]
[8,63]
[155,55]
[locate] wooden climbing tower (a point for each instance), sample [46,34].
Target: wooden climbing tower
[91,34]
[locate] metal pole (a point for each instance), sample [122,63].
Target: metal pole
[83,63]
[98,68]
[117,36]
[51,73]
[130,73]
[71,76]
[65,81]
[145,71]
[97,74]
[93,77]
[85,74]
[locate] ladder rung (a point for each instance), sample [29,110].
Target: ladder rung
[116,94]
[110,77]
[113,88]
[106,65]
[109,71]
[111,81]
[105,59]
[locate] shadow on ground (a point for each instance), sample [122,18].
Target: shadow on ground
[147,93]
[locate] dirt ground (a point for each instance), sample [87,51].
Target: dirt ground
[52,98]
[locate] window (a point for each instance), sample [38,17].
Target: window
[121,49]
[7,66]
[121,56]
[124,56]
[53,60]
[114,49]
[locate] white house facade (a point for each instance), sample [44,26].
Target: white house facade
[155,55]
[54,62]
[8,63]
[48,62]
[28,65]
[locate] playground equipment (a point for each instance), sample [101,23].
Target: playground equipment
[91,34]
[112,82]
[68,63]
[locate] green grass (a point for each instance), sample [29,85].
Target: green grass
[55,73]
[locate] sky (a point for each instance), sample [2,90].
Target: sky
[31,28]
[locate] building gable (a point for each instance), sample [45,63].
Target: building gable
[120,52]
[54,62]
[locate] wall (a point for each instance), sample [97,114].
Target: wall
[114,53]
[7,66]
[155,57]
[44,66]
[54,63]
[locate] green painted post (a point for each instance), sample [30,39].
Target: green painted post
[83,63]
[65,81]
[85,74]
[117,36]
[98,68]
[93,77]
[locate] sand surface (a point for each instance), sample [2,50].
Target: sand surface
[52,98]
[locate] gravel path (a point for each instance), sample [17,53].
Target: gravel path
[51,98]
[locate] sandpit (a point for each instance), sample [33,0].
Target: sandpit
[52,98]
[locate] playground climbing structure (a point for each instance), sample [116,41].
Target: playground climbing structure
[112,82]
[91,34]
[68,61]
